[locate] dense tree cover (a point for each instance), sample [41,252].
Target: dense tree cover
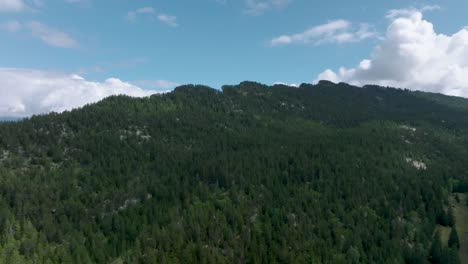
[453,239]
[326,173]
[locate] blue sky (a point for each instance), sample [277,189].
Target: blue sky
[159,44]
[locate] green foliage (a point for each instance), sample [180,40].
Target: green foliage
[440,254]
[436,249]
[319,174]
[453,241]
[450,256]
[450,217]
[446,218]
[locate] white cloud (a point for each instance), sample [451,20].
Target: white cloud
[145,10]
[258,7]
[151,13]
[393,13]
[287,84]
[168,19]
[132,15]
[337,31]
[11,26]
[51,36]
[412,55]
[12,5]
[26,91]
[48,35]
[157,84]
[20,5]
[429,8]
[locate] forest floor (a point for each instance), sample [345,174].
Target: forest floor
[460,210]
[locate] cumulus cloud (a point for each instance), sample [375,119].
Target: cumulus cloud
[26,92]
[412,55]
[12,5]
[337,31]
[51,36]
[257,7]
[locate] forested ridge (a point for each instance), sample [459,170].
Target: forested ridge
[326,173]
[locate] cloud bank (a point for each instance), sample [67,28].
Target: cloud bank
[413,56]
[25,92]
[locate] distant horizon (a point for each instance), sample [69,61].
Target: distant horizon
[19,118]
[7,119]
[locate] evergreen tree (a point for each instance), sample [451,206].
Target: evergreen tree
[436,249]
[453,241]
[450,256]
[443,218]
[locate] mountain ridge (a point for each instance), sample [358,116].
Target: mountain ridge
[331,173]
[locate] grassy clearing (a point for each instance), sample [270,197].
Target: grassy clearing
[460,210]
[444,232]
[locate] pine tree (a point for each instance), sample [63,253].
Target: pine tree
[436,249]
[450,217]
[454,258]
[453,241]
[442,219]
[450,256]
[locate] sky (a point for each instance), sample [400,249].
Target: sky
[56,55]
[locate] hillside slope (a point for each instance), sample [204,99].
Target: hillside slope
[326,173]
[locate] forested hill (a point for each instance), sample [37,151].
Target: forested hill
[326,173]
